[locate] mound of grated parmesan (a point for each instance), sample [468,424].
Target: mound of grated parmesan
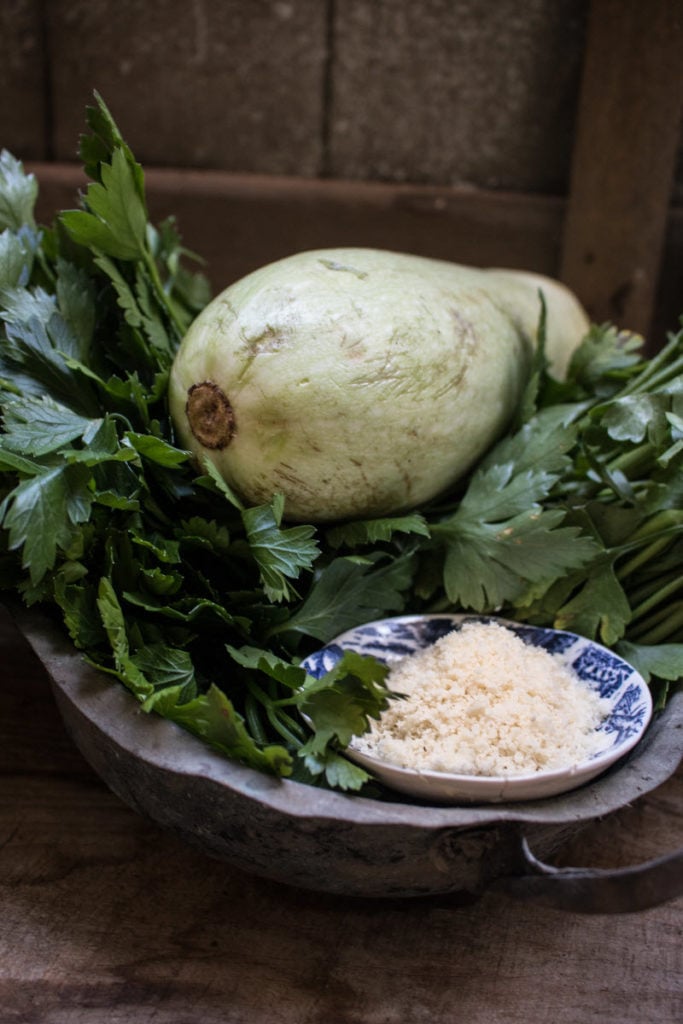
[482,702]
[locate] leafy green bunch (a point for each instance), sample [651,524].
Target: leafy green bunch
[574,520]
[204,607]
[160,574]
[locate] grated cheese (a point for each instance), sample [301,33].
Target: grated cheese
[482,702]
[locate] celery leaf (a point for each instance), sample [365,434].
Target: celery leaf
[375,531]
[281,554]
[44,513]
[18,193]
[502,536]
[349,591]
[213,718]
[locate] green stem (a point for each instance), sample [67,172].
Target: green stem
[635,543]
[286,702]
[646,589]
[643,556]
[286,727]
[258,693]
[666,519]
[165,299]
[658,531]
[119,416]
[667,374]
[283,724]
[45,267]
[635,458]
[643,628]
[661,627]
[660,595]
[656,370]
[251,712]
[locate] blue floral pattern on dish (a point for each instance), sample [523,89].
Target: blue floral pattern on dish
[386,642]
[628,715]
[551,640]
[323,661]
[605,671]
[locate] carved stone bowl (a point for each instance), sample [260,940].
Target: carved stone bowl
[351,845]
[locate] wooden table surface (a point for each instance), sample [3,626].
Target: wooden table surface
[105,918]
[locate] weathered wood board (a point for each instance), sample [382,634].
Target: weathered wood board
[573,101]
[106,919]
[24,128]
[239,222]
[624,159]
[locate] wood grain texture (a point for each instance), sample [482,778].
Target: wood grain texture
[23,116]
[456,92]
[233,85]
[668,306]
[239,222]
[678,186]
[429,94]
[108,920]
[624,158]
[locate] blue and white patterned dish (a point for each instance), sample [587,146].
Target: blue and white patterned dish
[391,639]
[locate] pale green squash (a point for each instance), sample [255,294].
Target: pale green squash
[359,382]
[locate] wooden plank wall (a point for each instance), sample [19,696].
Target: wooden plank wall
[483,133]
[624,158]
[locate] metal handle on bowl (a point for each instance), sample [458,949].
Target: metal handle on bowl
[597,890]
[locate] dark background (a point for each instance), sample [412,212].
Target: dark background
[544,134]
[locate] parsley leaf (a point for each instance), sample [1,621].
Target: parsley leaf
[340,705]
[116,221]
[43,514]
[34,358]
[212,717]
[501,538]
[605,354]
[18,193]
[375,531]
[156,449]
[660,660]
[114,624]
[36,426]
[16,260]
[104,139]
[281,554]
[75,294]
[269,664]
[165,666]
[349,591]
[600,609]
[338,771]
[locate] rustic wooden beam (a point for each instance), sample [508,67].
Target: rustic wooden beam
[239,222]
[668,313]
[624,158]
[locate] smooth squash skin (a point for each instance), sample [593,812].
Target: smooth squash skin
[357,382]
